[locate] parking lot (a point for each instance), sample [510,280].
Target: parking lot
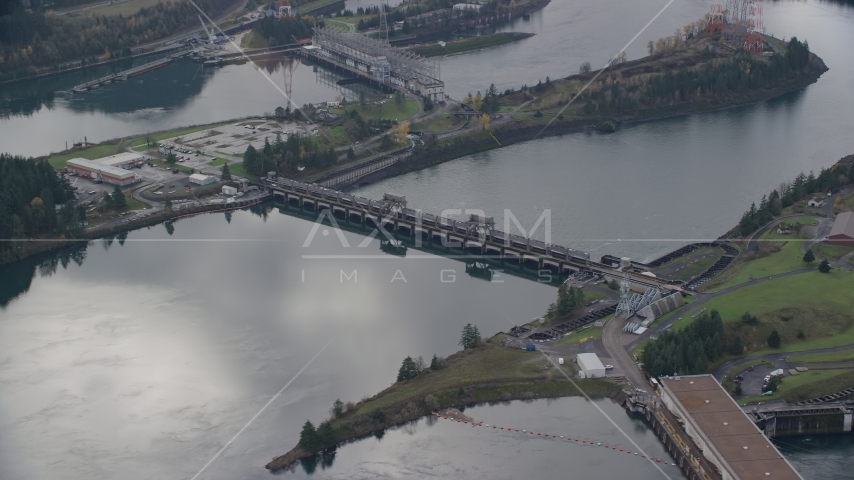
[228,141]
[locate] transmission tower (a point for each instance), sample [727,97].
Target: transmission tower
[716,18]
[754,41]
[383,23]
[625,304]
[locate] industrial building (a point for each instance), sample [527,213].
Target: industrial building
[101,172]
[842,232]
[124,160]
[377,60]
[229,190]
[724,434]
[200,179]
[590,365]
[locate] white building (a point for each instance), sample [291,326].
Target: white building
[227,190]
[590,364]
[122,160]
[101,172]
[200,179]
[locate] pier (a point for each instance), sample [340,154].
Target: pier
[124,75]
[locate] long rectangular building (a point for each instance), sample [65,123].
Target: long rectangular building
[101,171]
[727,437]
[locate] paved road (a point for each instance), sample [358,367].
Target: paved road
[611,340]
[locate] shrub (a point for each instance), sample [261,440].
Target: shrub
[607,127]
[431,402]
[824,266]
[774,339]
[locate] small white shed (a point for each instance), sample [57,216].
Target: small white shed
[590,364]
[200,179]
[227,190]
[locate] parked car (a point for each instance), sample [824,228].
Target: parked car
[609,367]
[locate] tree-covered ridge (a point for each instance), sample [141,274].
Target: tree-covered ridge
[687,351]
[37,39]
[285,30]
[772,204]
[30,191]
[287,156]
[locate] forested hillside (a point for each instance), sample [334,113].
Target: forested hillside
[30,190]
[30,39]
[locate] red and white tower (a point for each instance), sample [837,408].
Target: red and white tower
[754,41]
[716,18]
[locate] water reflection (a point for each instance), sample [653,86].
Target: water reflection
[18,276]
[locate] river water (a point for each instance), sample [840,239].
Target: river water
[145,359]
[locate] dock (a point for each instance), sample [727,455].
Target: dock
[131,72]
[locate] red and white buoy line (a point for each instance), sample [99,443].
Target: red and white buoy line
[574,440]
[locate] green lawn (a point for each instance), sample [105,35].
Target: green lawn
[387,110]
[443,123]
[821,304]
[218,161]
[127,7]
[583,335]
[688,300]
[788,259]
[809,384]
[91,153]
[829,357]
[831,252]
[238,169]
[132,203]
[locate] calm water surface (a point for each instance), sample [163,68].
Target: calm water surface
[145,359]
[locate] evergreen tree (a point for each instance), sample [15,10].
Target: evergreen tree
[226,173]
[326,435]
[434,363]
[809,257]
[470,337]
[407,370]
[351,154]
[171,158]
[119,200]
[824,266]
[774,339]
[308,438]
[736,347]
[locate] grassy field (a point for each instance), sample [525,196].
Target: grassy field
[788,258]
[443,123]
[238,169]
[845,205]
[819,304]
[502,369]
[829,357]
[387,110]
[91,153]
[583,335]
[809,384]
[688,300]
[831,252]
[126,8]
[132,203]
[218,161]
[468,44]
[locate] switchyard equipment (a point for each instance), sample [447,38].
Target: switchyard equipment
[379,61]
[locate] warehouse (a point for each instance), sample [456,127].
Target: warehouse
[842,232]
[124,160]
[100,172]
[724,434]
[200,179]
[590,365]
